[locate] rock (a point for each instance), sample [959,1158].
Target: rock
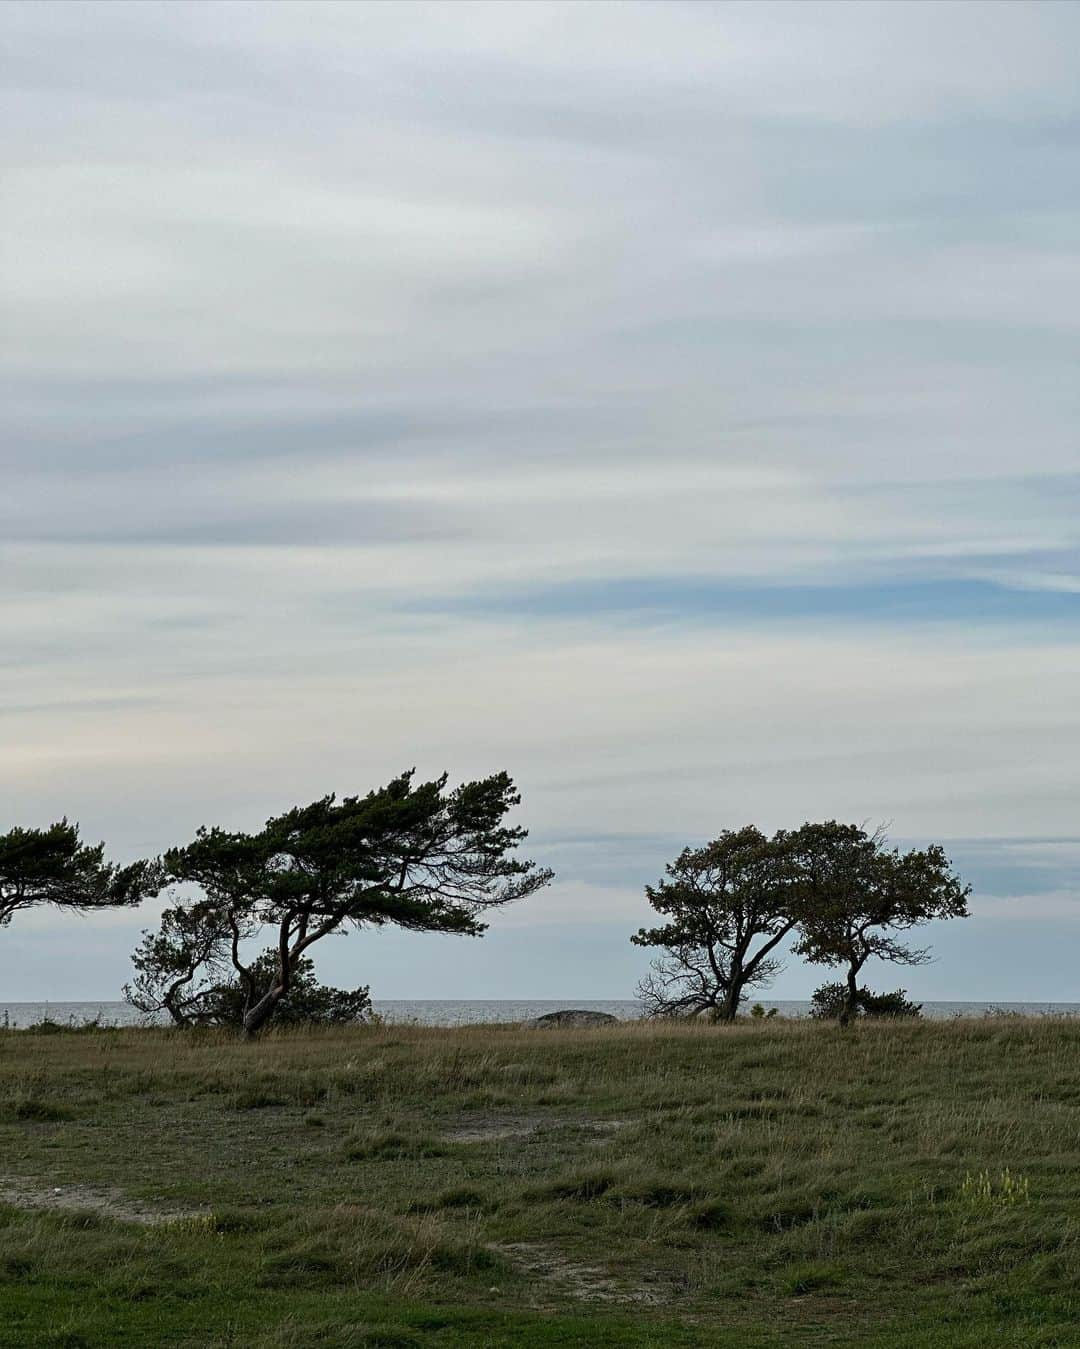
[575,1018]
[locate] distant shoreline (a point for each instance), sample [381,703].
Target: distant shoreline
[501,1011]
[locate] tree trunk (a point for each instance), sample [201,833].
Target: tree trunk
[169,1005]
[256,1017]
[260,1013]
[729,1007]
[851,1001]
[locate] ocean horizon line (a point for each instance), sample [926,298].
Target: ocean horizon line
[448,1012]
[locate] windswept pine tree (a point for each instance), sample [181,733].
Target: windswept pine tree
[415,856]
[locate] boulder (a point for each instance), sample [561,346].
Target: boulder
[575,1018]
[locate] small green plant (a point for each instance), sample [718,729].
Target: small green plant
[981,1190]
[760,1014]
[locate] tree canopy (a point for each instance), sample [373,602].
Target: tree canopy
[51,866]
[730,904]
[418,856]
[728,907]
[858,898]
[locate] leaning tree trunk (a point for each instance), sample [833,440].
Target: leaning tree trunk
[259,1013]
[257,1016]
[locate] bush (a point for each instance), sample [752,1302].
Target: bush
[47,1026]
[308,1002]
[829,999]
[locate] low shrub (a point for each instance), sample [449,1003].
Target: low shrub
[829,1001]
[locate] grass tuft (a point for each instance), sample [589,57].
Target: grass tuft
[392,1147]
[812,1278]
[581,1188]
[42,1112]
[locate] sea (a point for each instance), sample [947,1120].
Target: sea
[476,1012]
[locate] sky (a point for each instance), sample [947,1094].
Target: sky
[673,404]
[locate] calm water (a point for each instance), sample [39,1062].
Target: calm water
[432,1012]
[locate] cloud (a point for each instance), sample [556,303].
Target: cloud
[676,407]
[702,600]
[572,903]
[1026,908]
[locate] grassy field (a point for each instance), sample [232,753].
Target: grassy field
[760,1185]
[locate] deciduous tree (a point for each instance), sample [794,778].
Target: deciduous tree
[858,897]
[728,907]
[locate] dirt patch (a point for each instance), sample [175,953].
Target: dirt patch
[586,1283]
[32,1194]
[492,1128]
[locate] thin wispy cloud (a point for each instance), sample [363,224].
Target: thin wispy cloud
[675,404]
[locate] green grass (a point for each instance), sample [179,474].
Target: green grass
[764,1185]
